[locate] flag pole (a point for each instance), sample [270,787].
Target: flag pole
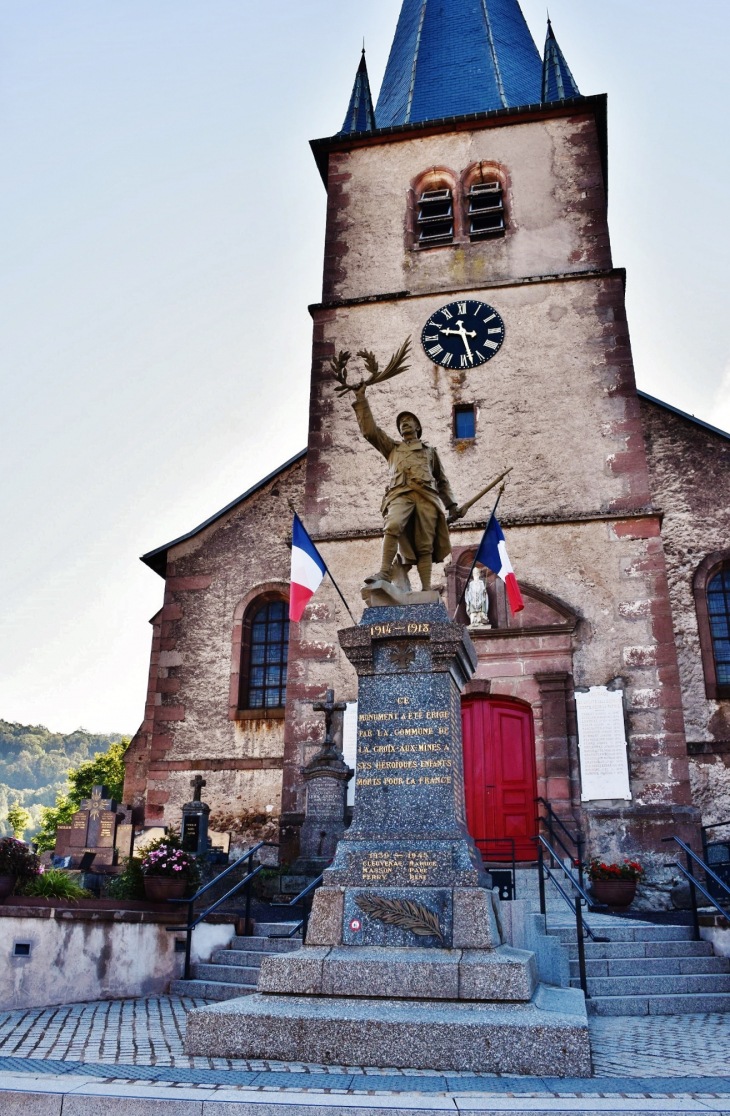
[466,583]
[329,574]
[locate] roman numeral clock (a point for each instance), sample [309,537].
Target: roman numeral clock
[463,334]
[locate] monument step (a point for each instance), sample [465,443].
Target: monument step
[652,966]
[210,989]
[620,930]
[245,957]
[278,929]
[229,974]
[637,950]
[659,1005]
[266,945]
[676,985]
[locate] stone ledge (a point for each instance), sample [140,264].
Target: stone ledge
[500,975]
[548,1036]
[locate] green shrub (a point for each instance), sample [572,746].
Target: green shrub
[54,883]
[129,884]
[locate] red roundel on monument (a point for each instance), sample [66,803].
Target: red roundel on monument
[355,924]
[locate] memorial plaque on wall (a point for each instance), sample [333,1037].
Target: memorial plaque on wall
[604,765]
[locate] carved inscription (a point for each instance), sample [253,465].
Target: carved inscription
[406,747]
[411,867]
[394,629]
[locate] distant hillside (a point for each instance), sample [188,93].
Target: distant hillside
[34,763]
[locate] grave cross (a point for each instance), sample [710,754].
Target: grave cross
[329,707]
[197,784]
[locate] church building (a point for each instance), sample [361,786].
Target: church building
[467,211]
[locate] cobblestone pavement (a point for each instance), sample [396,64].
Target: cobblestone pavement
[149,1033]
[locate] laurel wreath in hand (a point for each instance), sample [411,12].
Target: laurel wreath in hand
[405,913]
[395,366]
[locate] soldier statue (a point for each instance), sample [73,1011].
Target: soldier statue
[418,490]
[414,501]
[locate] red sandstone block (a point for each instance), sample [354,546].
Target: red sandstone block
[170,713]
[186,584]
[168,685]
[558,789]
[505,669]
[157,797]
[172,612]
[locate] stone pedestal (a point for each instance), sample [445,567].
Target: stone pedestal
[404,963]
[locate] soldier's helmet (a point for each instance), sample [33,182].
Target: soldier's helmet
[410,414]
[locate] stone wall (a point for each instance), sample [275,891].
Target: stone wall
[689,467]
[191,722]
[78,955]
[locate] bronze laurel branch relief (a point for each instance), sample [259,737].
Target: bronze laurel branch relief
[404,913]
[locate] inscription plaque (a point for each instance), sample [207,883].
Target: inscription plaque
[604,768]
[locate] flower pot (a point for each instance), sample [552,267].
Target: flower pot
[7,883]
[159,889]
[614,893]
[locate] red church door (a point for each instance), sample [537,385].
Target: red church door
[499,775]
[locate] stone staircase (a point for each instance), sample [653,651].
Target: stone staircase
[234,971]
[644,969]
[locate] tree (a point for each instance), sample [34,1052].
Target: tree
[106,769]
[19,820]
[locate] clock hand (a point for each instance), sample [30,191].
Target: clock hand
[463,334]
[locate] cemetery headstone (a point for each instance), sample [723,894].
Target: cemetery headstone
[326,777]
[100,829]
[195,816]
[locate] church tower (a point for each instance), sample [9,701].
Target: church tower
[480,181]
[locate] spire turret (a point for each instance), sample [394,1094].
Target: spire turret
[360,115]
[557,81]
[454,57]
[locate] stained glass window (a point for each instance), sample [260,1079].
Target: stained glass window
[269,650]
[718,602]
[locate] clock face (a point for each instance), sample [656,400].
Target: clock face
[463,334]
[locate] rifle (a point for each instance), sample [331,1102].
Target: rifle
[464,508]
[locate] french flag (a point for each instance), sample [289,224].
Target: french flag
[493,554]
[307,570]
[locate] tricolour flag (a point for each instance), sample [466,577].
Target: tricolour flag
[307,570]
[493,554]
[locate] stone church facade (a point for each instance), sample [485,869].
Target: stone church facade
[617,513]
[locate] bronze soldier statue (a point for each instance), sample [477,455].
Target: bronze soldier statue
[417,492]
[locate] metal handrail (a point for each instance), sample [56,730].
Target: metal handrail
[695,883]
[245,882]
[716,825]
[576,840]
[576,908]
[501,841]
[554,816]
[302,925]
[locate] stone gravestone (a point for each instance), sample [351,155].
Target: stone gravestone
[604,766]
[404,963]
[195,816]
[326,777]
[100,829]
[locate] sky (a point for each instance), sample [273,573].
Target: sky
[161,231]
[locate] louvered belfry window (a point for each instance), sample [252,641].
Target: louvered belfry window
[435,217]
[269,653]
[485,210]
[718,605]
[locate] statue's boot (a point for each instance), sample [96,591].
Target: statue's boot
[390,549]
[425,564]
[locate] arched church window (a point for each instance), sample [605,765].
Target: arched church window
[718,607]
[265,653]
[484,205]
[712,601]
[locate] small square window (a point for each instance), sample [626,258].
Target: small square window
[180,945]
[22,949]
[465,422]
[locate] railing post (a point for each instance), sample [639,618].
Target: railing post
[514,870]
[540,880]
[693,898]
[188,941]
[581,946]
[552,835]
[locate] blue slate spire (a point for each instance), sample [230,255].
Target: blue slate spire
[453,57]
[360,115]
[557,80]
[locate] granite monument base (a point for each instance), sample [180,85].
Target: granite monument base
[549,1035]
